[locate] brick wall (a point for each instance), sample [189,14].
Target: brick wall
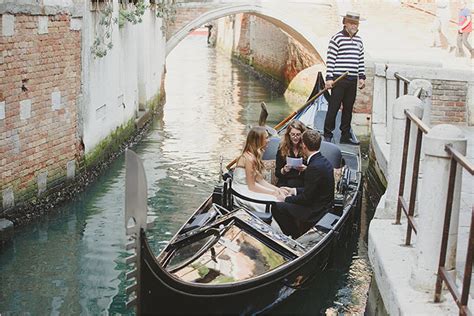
[449,102]
[365,96]
[183,16]
[40,79]
[272,51]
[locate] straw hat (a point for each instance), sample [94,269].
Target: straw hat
[353,16]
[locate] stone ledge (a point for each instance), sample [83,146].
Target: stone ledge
[392,264]
[429,73]
[36,9]
[380,146]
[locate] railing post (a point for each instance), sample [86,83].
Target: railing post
[432,204]
[412,104]
[425,96]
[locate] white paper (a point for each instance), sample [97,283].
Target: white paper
[294,162]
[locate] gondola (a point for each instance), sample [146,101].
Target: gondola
[230,260]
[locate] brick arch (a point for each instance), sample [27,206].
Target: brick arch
[279,19]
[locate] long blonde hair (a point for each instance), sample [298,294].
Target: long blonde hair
[254,145]
[286,144]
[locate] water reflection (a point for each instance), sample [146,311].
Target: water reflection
[72,261]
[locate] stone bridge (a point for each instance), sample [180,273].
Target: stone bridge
[192,15]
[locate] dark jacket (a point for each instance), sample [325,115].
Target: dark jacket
[318,190]
[293,178]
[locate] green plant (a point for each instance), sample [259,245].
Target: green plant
[167,11]
[103,40]
[133,16]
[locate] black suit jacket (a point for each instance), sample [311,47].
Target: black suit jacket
[318,191]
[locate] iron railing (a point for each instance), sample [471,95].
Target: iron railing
[409,209]
[461,299]
[406,82]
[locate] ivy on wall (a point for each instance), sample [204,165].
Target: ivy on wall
[103,39]
[166,11]
[130,11]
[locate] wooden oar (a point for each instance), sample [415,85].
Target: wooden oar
[262,121]
[289,117]
[263,114]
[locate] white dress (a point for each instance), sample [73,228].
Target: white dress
[239,184]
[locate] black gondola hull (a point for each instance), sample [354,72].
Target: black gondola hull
[161,293]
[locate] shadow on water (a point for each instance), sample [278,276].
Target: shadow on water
[73,260]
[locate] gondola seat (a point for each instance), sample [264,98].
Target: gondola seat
[264,216]
[332,153]
[199,221]
[327,222]
[230,194]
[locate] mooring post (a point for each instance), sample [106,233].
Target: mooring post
[414,105]
[425,96]
[432,205]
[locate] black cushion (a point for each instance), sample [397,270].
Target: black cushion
[272,148]
[332,153]
[328,150]
[327,222]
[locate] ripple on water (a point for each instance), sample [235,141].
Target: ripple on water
[73,262]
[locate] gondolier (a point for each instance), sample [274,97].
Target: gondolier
[345,53]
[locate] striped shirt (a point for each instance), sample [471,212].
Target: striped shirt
[345,53]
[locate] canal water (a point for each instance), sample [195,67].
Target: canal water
[72,261]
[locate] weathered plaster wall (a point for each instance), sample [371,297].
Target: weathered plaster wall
[129,75]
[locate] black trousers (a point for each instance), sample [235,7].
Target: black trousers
[293,219]
[343,93]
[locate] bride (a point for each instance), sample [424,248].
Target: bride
[248,174]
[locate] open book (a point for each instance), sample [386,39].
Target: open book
[294,162]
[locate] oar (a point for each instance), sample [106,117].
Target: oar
[263,114]
[262,121]
[289,117]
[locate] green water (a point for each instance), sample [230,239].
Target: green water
[72,261]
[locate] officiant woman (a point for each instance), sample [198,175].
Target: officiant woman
[290,146]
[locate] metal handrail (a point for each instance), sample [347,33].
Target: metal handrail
[461,299]
[421,125]
[406,82]
[409,210]
[460,159]
[398,76]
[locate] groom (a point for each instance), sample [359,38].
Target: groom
[303,207]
